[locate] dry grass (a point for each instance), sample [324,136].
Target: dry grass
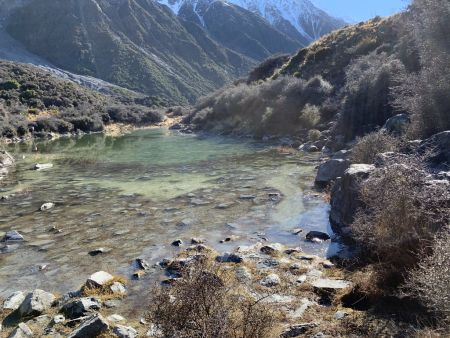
[209,302]
[369,146]
[104,292]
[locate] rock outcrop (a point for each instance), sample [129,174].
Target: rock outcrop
[345,196]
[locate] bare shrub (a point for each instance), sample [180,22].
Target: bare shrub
[367,94]
[402,213]
[270,107]
[207,302]
[430,281]
[314,135]
[369,146]
[310,116]
[425,93]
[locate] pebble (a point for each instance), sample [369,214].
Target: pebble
[47,206]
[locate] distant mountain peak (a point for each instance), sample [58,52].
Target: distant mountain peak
[299,19]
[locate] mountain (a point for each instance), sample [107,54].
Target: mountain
[142,46]
[299,20]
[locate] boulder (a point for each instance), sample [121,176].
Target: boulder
[124,331]
[330,171]
[345,198]
[92,327]
[317,236]
[270,280]
[440,145]
[99,279]
[343,154]
[81,307]
[13,301]
[35,303]
[397,124]
[21,331]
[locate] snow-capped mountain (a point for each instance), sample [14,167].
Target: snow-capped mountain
[299,19]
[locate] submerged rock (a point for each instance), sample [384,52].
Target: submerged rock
[177,242]
[141,264]
[317,235]
[47,206]
[13,235]
[42,166]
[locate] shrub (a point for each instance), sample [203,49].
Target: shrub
[208,303]
[402,211]
[310,116]
[134,114]
[367,94]
[425,93]
[430,281]
[369,146]
[53,124]
[9,85]
[86,123]
[314,135]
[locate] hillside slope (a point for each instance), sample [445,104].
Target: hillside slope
[141,45]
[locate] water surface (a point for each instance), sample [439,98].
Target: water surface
[130,194]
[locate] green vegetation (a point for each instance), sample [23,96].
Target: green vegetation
[37,101]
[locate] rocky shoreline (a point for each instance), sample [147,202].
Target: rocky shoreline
[290,281]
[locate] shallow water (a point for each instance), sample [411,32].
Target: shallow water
[129,194]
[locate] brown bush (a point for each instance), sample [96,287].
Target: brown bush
[369,146]
[402,212]
[430,281]
[207,302]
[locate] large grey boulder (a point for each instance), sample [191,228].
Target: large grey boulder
[397,124]
[331,170]
[13,301]
[345,197]
[36,303]
[91,327]
[81,307]
[440,145]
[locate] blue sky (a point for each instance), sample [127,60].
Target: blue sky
[360,10]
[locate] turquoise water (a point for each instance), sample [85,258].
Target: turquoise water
[129,194]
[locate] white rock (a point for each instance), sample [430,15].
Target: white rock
[118,288]
[59,319]
[99,279]
[47,206]
[42,166]
[124,331]
[271,280]
[333,284]
[13,301]
[115,318]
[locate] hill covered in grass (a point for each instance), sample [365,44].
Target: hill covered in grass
[35,100]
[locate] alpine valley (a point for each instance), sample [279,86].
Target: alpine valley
[174,50]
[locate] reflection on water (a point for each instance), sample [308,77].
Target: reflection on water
[129,195]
